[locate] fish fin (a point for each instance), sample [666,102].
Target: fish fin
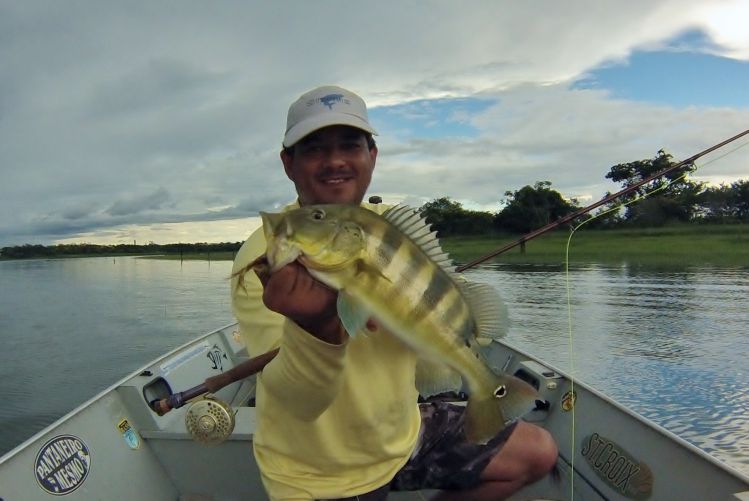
[433,378]
[488,309]
[271,221]
[483,418]
[362,267]
[412,224]
[353,314]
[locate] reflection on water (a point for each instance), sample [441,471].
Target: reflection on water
[670,344]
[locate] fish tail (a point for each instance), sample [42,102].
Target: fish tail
[483,418]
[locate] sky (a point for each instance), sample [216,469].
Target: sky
[162,121]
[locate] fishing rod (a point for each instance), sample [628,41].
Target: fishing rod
[213,384]
[544,229]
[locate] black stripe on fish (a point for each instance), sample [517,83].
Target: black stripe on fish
[438,287]
[411,269]
[457,312]
[391,241]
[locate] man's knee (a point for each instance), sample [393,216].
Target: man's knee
[528,455]
[545,453]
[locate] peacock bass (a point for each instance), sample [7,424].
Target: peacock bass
[391,268]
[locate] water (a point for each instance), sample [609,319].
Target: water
[70,328]
[672,344]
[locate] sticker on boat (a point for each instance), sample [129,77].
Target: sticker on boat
[568,401]
[128,433]
[617,468]
[62,464]
[217,356]
[237,337]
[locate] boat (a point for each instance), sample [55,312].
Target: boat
[116,446]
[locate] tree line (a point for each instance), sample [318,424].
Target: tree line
[670,199]
[673,198]
[84,249]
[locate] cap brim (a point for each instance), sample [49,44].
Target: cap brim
[317,122]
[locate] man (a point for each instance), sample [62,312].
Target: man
[338,417]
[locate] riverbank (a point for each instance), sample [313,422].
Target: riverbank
[688,244]
[724,245]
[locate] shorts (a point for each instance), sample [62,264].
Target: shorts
[443,458]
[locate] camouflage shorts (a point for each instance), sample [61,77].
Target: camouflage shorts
[443,458]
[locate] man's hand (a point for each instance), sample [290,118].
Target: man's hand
[292,292]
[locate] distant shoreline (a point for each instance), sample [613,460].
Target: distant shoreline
[213,256]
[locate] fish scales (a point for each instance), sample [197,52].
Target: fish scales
[425,291]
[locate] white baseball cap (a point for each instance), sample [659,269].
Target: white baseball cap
[322,107]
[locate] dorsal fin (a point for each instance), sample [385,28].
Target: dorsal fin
[412,224]
[488,309]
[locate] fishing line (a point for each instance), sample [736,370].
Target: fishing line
[721,156]
[569,312]
[569,295]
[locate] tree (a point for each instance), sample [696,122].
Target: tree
[726,202]
[531,207]
[441,213]
[676,199]
[448,217]
[740,199]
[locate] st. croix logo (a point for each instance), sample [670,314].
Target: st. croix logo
[62,464]
[619,469]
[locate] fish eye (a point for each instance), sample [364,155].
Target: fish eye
[318,214]
[500,391]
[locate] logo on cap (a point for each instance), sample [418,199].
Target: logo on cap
[329,100]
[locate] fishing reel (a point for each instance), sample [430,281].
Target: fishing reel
[210,420]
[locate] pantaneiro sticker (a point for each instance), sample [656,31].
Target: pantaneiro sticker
[62,464]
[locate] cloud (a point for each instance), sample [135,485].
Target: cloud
[571,137]
[725,23]
[155,86]
[137,204]
[138,113]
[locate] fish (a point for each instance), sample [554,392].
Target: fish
[391,269]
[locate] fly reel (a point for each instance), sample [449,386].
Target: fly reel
[210,420]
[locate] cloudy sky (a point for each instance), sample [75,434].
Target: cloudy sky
[162,121]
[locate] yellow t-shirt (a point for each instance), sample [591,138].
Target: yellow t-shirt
[333,420]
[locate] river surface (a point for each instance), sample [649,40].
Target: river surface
[670,343]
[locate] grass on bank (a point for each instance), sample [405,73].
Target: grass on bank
[678,245]
[193,256]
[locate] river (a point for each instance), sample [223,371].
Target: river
[670,343]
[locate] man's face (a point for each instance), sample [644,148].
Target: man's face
[331,166]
